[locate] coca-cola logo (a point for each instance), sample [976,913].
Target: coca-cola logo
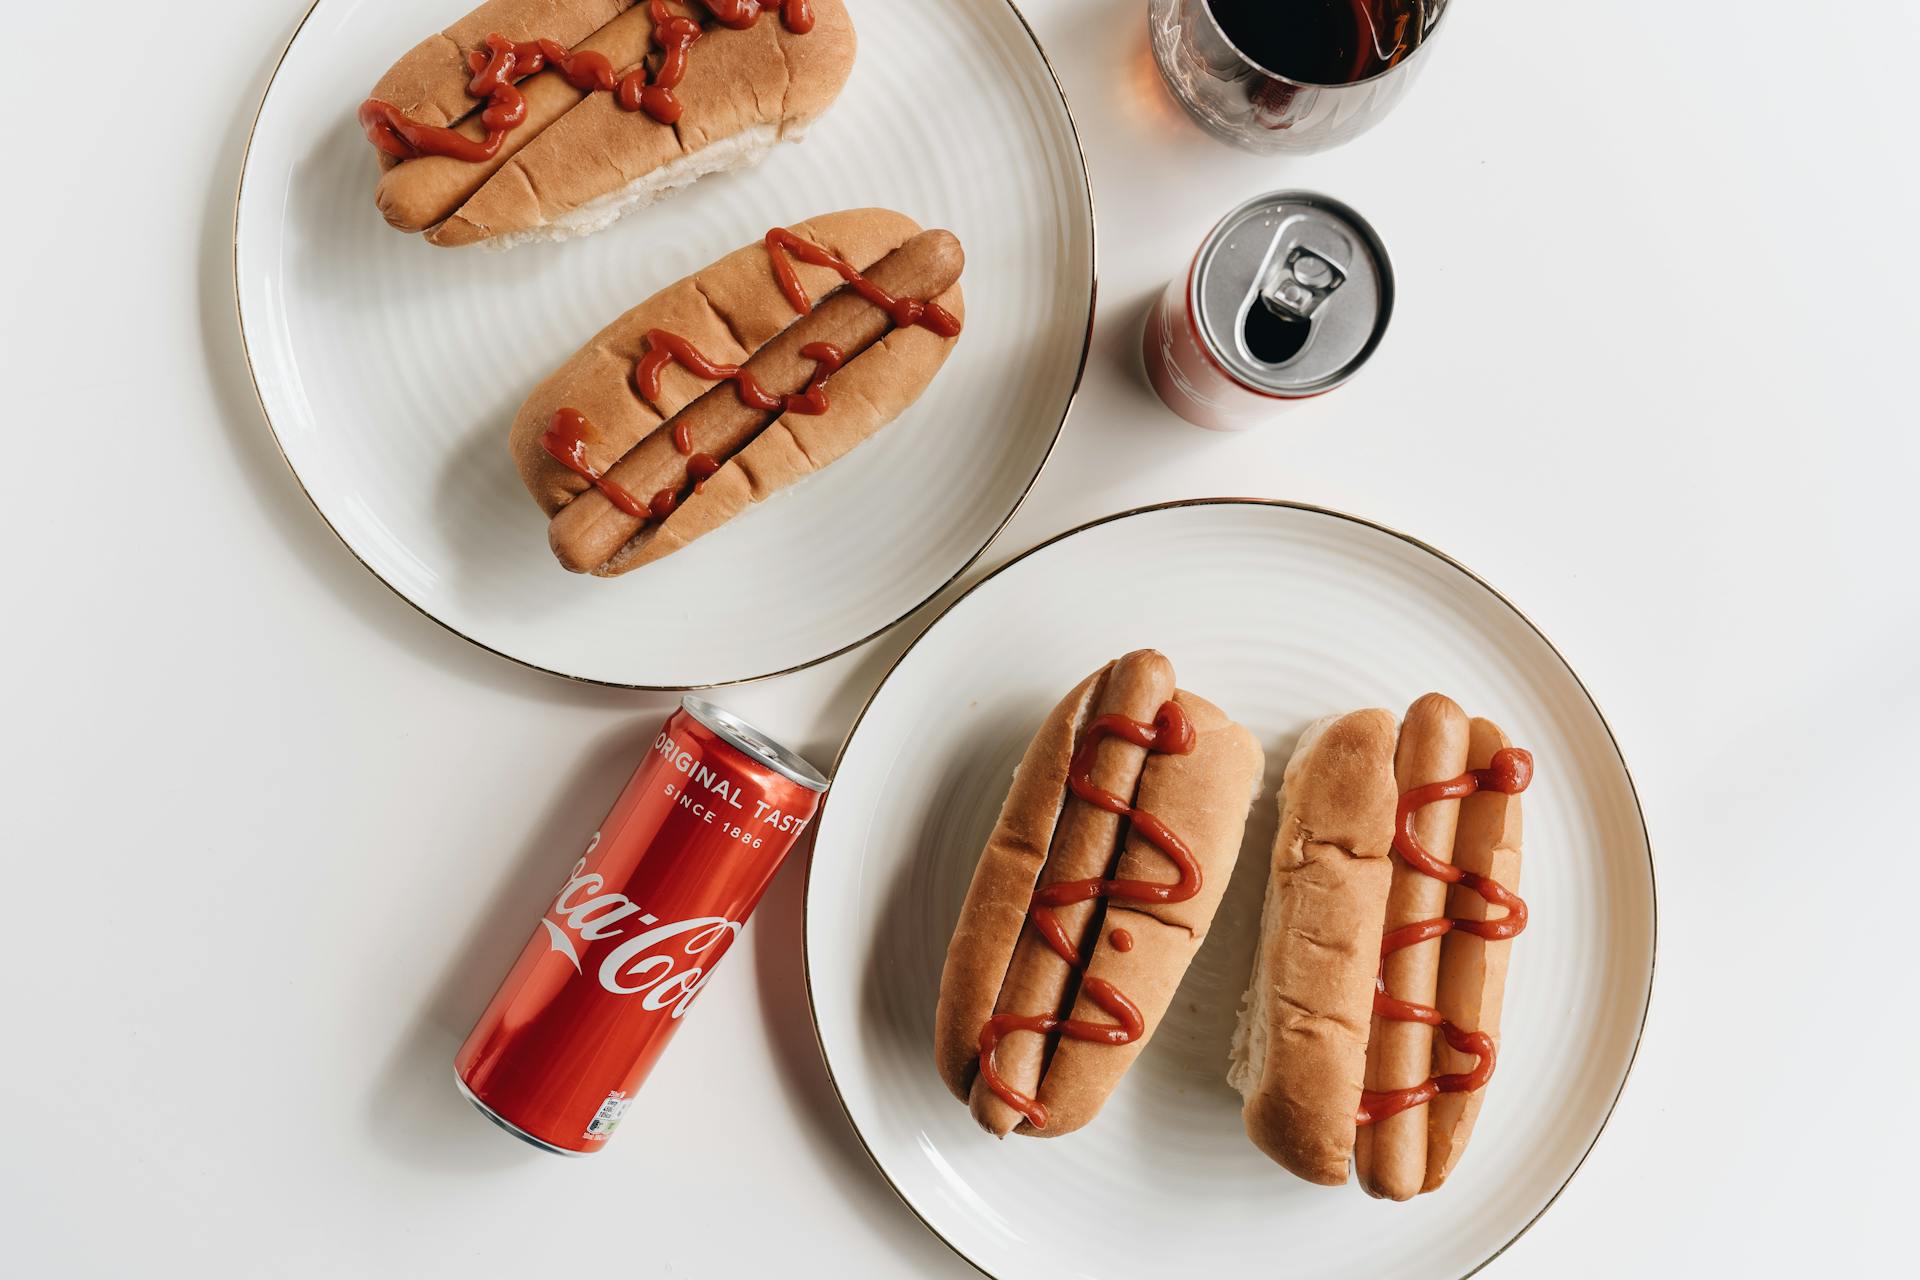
[665,964]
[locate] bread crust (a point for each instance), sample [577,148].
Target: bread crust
[735,312]
[1302,1047]
[1473,971]
[995,910]
[576,148]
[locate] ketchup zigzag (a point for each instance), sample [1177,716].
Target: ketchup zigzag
[567,435]
[499,67]
[1169,733]
[1509,772]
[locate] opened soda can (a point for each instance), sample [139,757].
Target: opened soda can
[1287,297]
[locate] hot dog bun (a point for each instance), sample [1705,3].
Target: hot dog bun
[1311,1054]
[735,312]
[1047,835]
[579,160]
[1300,1051]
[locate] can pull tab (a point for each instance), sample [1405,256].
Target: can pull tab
[1298,278]
[1298,281]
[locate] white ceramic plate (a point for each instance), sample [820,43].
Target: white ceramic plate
[1281,614]
[375,365]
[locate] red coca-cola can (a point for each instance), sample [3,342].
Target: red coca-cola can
[661,891]
[1286,298]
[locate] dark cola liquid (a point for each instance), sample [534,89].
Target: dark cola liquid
[1321,41]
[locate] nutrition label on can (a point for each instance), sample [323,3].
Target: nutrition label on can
[607,1119]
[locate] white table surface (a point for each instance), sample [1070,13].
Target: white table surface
[269,837]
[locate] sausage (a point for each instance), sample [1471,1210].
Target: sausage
[1473,971]
[1390,1155]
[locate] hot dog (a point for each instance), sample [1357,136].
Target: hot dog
[543,119]
[618,444]
[1095,890]
[1368,1030]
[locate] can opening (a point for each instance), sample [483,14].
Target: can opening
[1271,337]
[1279,317]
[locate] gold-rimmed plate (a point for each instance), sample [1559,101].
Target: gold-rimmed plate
[389,370]
[1281,614]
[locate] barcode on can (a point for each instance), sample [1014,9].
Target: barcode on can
[607,1118]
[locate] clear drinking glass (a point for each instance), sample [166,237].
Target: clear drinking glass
[1289,75]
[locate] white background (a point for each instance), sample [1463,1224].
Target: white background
[269,837]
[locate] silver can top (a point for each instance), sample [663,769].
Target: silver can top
[738,733]
[1291,293]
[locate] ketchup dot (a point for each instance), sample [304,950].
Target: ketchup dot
[1511,769]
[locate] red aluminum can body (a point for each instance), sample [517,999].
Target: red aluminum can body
[662,890]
